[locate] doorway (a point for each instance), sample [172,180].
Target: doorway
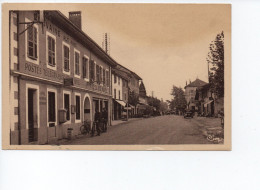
[32,115]
[87,110]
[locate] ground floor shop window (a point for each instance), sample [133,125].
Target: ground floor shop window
[67,105]
[51,108]
[77,107]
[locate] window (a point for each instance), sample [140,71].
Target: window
[119,95]
[67,105]
[77,63]
[92,70]
[97,73]
[118,80]
[85,68]
[66,58]
[51,51]
[51,107]
[115,93]
[101,75]
[115,78]
[107,75]
[104,77]
[32,42]
[77,107]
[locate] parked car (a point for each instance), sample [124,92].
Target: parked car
[188,114]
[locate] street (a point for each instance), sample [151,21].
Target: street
[168,129]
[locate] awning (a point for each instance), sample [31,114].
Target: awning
[121,102]
[205,105]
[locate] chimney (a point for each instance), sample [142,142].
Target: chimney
[75,18]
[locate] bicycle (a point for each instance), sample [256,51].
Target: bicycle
[86,127]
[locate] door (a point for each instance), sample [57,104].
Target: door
[32,115]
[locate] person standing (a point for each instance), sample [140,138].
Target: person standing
[105,119]
[97,120]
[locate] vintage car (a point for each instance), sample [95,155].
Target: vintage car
[188,114]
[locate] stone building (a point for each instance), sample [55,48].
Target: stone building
[190,92]
[59,76]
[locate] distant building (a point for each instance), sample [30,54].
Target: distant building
[142,104]
[190,92]
[134,91]
[208,103]
[120,79]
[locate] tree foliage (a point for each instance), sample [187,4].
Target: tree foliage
[155,102]
[178,102]
[215,60]
[133,98]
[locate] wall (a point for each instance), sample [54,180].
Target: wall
[40,69]
[118,86]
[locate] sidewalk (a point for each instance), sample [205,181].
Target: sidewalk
[211,128]
[81,136]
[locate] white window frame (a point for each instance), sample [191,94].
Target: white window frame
[87,79]
[26,44]
[55,91]
[68,93]
[76,75]
[54,37]
[67,45]
[36,87]
[78,94]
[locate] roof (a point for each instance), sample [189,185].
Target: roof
[63,22]
[196,83]
[120,73]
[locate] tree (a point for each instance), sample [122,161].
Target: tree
[133,98]
[215,61]
[154,102]
[178,102]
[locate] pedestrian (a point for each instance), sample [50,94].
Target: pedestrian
[104,119]
[97,120]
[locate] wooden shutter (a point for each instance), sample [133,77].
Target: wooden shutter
[84,67]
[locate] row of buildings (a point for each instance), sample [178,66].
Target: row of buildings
[60,77]
[200,98]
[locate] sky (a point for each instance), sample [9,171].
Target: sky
[165,44]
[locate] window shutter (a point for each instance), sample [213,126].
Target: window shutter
[84,67]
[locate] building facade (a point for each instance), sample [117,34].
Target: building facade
[208,103]
[190,93]
[59,76]
[133,85]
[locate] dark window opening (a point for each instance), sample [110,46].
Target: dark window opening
[67,105]
[77,63]
[51,107]
[32,42]
[77,107]
[66,58]
[85,67]
[51,51]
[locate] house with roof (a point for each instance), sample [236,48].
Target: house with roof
[190,93]
[205,100]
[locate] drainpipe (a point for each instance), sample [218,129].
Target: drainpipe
[18,84]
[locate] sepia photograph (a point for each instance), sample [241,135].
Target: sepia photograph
[116,76]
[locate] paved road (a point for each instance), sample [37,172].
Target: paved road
[169,129]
